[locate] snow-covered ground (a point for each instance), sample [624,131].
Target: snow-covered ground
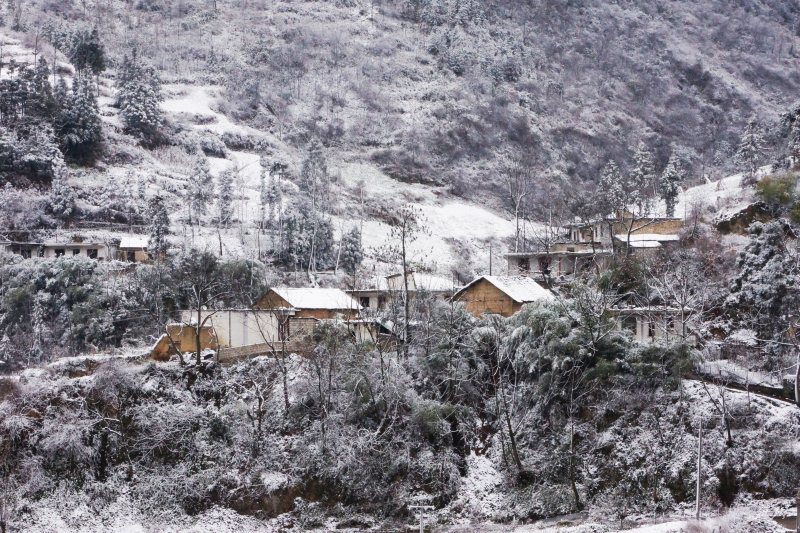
[454,227]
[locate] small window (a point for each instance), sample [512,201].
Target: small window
[92,253]
[60,252]
[570,248]
[76,251]
[381,302]
[671,324]
[25,253]
[651,329]
[364,301]
[524,264]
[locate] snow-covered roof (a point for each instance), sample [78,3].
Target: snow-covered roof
[639,237]
[646,240]
[135,242]
[419,281]
[521,289]
[316,298]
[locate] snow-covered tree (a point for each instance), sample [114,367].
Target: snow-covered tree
[139,100]
[765,290]
[62,196]
[87,53]
[78,125]
[751,148]
[352,252]
[642,177]
[157,227]
[314,179]
[199,190]
[611,189]
[669,184]
[225,197]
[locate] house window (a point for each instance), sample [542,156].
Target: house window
[25,253]
[130,256]
[381,302]
[651,329]
[364,301]
[60,252]
[92,252]
[671,324]
[570,248]
[76,251]
[525,264]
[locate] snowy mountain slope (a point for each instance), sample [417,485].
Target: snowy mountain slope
[456,229]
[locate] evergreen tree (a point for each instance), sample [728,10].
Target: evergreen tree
[199,190]
[139,97]
[790,122]
[642,177]
[352,252]
[62,197]
[613,196]
[78,126]
[87,53]
[274,192]
[670,183]
[225,197]
[157,227]
[751,148]
[314,178]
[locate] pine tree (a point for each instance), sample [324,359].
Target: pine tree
[352,252]
[199,190]
[62,197]
[87,53]
[78,126]
[274,192]
[642,178]
[225,197]
[612,189]
[751,148]
[314,178]
[670,184]
[157,227]
[139,97]
[263,195]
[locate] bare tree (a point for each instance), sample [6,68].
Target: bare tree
[517,181]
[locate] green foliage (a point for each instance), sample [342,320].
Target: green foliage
[778,192]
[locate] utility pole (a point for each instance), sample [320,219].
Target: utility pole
[699,464]
[421,509]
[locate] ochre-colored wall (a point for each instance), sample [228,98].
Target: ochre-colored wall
[483,297]
[659,227]
[271,300]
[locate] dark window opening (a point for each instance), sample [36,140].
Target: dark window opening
[525,264]
[92,252]
[26,254]
[364,301]
[60,252]
[651,329]
[629,323]
[381,302]
[76,251]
